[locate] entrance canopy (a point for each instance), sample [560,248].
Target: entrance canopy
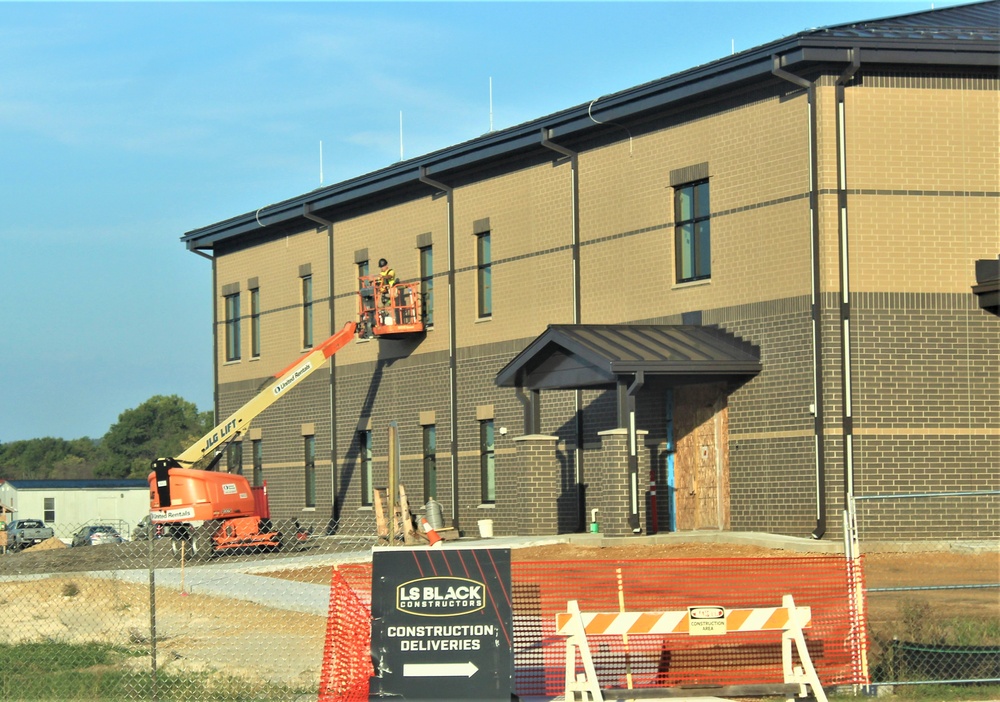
[575,356]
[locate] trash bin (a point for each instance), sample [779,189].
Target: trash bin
[486,528]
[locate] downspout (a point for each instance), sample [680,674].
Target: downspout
[574,161]
[845,286]
[308,214]
[452,340]
[633,454]
[819,449]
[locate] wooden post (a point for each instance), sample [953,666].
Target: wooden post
[393,478]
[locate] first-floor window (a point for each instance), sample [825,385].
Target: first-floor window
[487,462]
[310,451]
[257,448]
[49,511]
[234,457]
[365,452]
[430,463]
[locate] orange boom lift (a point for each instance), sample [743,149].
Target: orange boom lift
[213,511]
[209,511]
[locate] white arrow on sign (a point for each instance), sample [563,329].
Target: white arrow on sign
[439,670]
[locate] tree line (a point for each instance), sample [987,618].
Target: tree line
[163,425]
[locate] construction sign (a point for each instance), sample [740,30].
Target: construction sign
[441,624]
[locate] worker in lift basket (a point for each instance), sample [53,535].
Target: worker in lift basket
[386,285]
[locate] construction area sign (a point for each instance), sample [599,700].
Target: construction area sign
[706,620]
[441,624]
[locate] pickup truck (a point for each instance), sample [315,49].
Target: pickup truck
[22,533]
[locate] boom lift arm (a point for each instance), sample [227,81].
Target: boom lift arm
[179,494]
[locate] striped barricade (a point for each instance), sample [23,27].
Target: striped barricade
[698,620]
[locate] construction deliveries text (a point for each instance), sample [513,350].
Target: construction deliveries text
[453,631]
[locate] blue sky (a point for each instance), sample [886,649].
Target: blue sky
[125,125]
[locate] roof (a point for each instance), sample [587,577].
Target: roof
[569,356]
[959,23]
[962,36]
[95,484]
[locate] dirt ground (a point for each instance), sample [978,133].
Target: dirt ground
[197,632]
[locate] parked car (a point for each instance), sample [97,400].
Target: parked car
[22,533]
[141,531]
[96,535]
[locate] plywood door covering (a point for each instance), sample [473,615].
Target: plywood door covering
[701,462]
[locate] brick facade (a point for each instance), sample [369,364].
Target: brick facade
[919,207]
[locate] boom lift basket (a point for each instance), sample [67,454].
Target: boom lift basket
[392,313]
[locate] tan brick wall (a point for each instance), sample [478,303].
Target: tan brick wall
[276,266]
[911,259]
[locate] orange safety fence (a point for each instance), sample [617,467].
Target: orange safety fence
[347,663]
[829,585]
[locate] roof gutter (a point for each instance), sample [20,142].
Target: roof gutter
[816,292]
[755,64]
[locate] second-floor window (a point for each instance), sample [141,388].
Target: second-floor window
[233,327]
[255,323]
[307,311]
[484,275]
[427,284]
[692,232]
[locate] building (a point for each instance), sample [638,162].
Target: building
[751,285]
[67,505]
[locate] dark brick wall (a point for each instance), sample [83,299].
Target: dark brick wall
[927,412]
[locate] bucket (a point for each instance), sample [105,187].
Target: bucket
[486,528]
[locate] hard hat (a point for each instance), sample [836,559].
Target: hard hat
[382,262]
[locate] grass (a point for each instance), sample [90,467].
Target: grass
[54,670]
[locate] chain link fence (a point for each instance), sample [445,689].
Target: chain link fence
[133,614]
[936,621]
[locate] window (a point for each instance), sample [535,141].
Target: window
[487,464]
[365,451]
[257,449]
[307,311]
[430,462]
[49,510]
[255,323]
[693,240]
[234,457]
[362,272]
[484,275]
[310,451]
[427,284]
[233,327]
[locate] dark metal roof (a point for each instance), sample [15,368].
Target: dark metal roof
[97,483]
[571,356]
[962,36]
[976,21]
